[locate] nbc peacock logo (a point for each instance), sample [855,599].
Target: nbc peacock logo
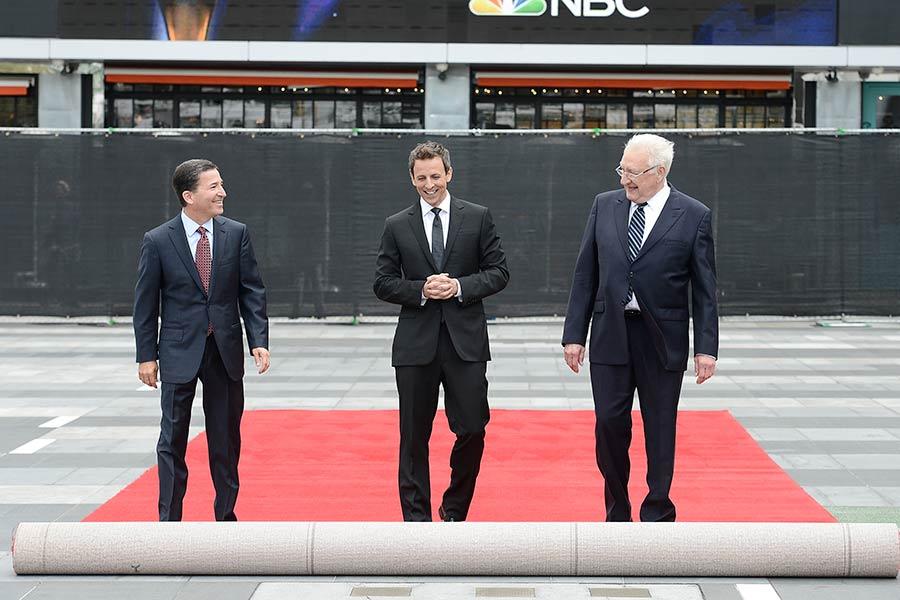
[508,8]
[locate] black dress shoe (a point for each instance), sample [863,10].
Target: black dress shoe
[444,516]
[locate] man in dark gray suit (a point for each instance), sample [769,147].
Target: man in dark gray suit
[643,248]
[438,259]
[198,272]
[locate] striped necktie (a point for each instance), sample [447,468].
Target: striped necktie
[636,231]
[635,240]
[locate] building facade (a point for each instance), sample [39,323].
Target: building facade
[450,64]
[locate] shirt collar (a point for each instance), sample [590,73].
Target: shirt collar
[190,227]
[444,205]
[658,200]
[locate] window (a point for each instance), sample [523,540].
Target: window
[281,115]
[303,114]
[505,116]
[233,113]
[345,114]
[163,113]
[323,114]
[598,108]
[143,113]
[211,113]
[189,112]
[254,107]
[525,116]
[254,114]
[573,115]
[123,113]
[552,116]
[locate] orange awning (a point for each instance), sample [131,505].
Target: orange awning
[657,81]
[351,79]
[15,86]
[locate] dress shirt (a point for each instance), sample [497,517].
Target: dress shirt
[193,236]
[651,214]
[428,223]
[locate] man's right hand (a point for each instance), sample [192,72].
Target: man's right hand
[438,287]
[148,372]
[574,355]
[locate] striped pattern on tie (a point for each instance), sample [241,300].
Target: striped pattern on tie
[636,231]
[635,241]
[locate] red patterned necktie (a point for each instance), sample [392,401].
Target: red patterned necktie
[203,259]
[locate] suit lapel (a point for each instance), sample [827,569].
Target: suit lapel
[418,229]
[179,240]
[671,212]
[621,216]
[220,234]
[457,216]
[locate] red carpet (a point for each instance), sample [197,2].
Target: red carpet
[538,466]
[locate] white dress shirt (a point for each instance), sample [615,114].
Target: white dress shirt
[651,214]
[428,217]
[193,236]
[428,222]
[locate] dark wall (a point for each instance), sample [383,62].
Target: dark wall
[31,18]
[780,22]
[802,222]
[869,22]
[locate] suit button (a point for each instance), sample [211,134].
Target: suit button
[631,276]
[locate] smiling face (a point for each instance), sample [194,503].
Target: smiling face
[430,179]
[641,179]
[207,199]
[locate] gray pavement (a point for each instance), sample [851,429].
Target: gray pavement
[76,427]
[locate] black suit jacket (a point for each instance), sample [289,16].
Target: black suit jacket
[473,255]
[168,284]
[678,253]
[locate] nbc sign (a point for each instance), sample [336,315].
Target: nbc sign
[535,8]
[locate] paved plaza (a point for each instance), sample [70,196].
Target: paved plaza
[76,427]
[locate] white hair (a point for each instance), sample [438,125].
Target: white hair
[661,150]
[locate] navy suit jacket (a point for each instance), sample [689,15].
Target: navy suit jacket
[678,255]
[168,285]
[473,255]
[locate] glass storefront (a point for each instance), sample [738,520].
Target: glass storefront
[19,111]
[598,108]
[187,106]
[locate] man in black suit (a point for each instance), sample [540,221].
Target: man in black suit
[643,247]
[201,269]
[438,259]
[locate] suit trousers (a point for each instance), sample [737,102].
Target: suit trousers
[465,400]
[659,389]
[223,407]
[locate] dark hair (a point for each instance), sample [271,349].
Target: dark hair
[428,150]
[187,174]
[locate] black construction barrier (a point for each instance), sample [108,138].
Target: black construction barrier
[805,224]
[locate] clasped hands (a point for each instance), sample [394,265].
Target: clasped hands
[440,287]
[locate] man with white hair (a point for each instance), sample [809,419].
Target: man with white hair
[643,248]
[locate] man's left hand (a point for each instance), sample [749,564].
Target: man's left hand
[704,367]
[261,358]
[449,286]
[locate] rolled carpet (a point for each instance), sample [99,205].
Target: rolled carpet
[509,549]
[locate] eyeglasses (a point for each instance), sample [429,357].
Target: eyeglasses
[632,176]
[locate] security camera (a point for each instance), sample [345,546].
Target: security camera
[442,69]
[831,75]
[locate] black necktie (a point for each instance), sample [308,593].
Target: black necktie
[635,240]
[437,239]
